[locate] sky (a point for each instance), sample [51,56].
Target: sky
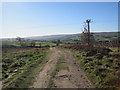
[26,19]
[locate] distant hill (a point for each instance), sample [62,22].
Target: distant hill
[70,37]
[55,37]
[100,36]
[106,36]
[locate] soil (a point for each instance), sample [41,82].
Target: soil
[73,77]
[43,77]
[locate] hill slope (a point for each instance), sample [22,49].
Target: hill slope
[71,37]
[99,36]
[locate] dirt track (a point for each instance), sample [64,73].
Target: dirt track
[43,78]
[74,77]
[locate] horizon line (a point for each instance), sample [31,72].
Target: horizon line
[51,35]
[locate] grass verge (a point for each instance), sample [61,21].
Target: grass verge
[102,72]
[22,70]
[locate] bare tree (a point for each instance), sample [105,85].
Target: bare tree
[20,40]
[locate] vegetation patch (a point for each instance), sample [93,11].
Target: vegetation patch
[19,65]
[103,72]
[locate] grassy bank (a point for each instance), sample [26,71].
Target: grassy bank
[104,73]
[21,65]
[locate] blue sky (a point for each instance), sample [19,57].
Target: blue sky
[46,18]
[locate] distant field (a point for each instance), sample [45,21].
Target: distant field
[37,43]
[27,43]
[45,43]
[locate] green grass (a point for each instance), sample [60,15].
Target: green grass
[60,65]
[102,72]
[21,65]
[27,43]
[68,42]
[45,43]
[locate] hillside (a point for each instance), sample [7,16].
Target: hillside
[54,37]
[100,36]
[72,37]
